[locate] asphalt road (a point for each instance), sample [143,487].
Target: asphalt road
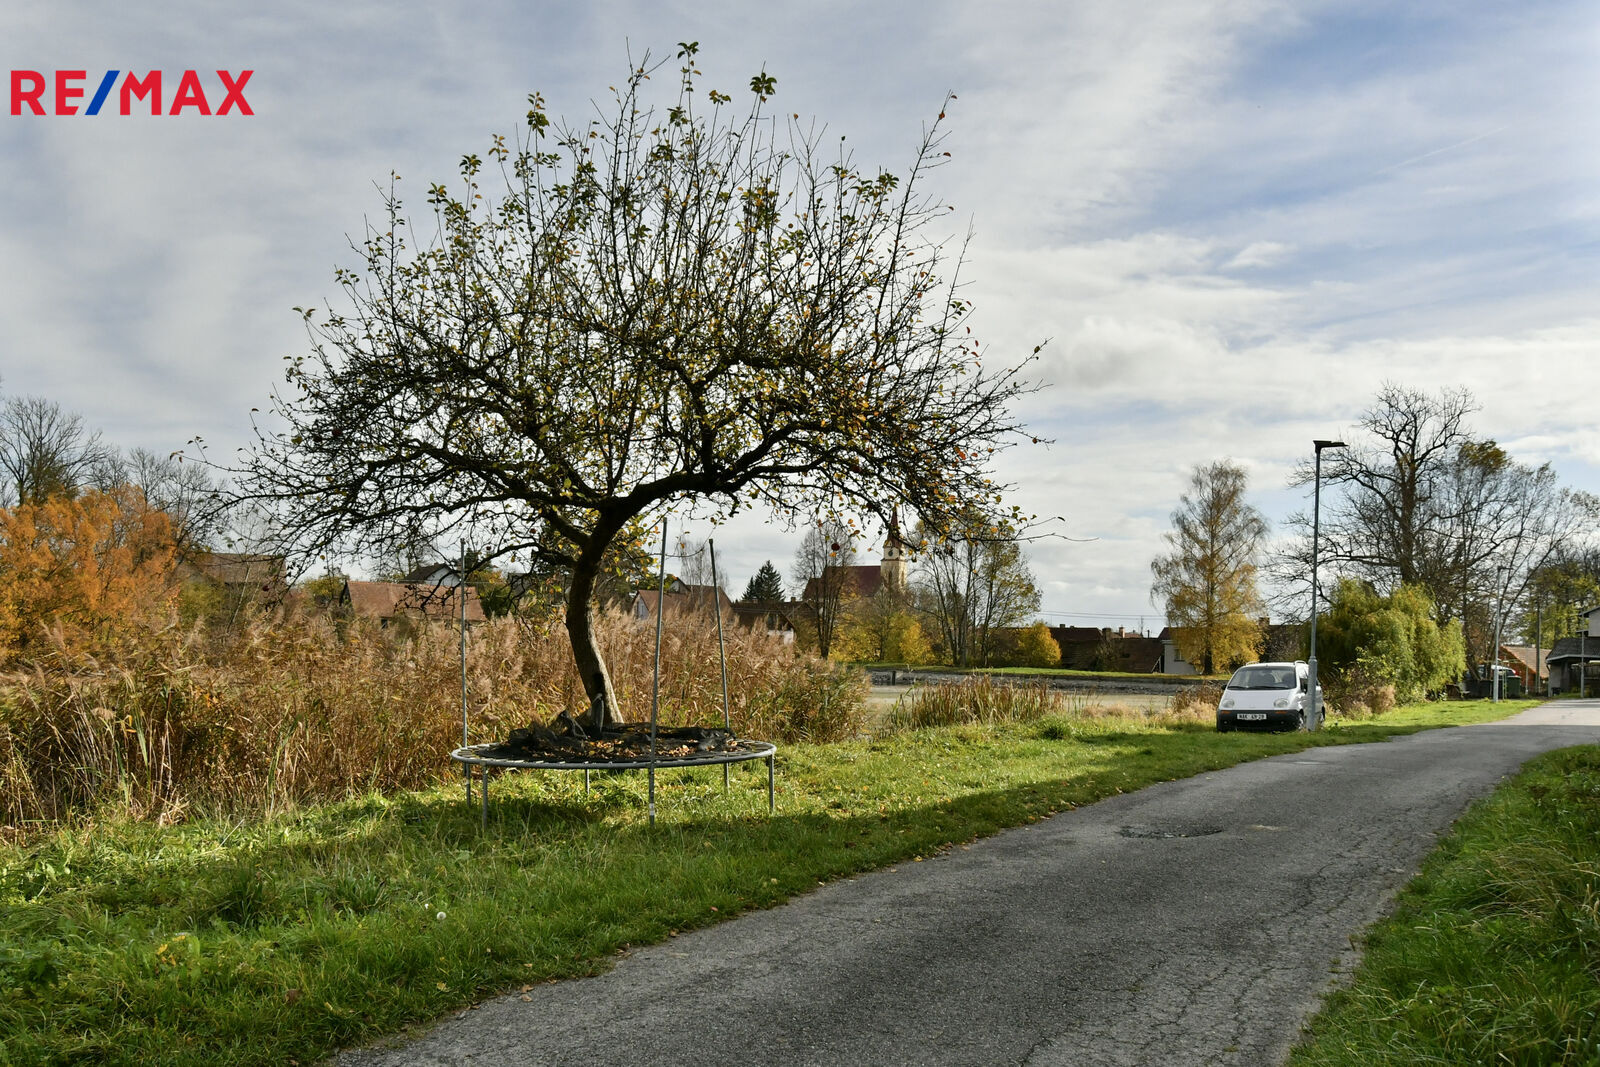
[1194,922]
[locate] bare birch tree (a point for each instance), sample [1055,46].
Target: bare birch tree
[824,573]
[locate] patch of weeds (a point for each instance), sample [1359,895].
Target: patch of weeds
[240,896]
[358,893]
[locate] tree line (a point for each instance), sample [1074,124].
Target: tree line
[963,601]
[958,599]
[1421,518]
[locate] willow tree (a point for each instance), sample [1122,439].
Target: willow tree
[687,306]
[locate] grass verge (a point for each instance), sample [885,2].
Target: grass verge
[281,940]
[1493,952]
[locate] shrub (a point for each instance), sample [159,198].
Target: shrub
[1357,695]
[1034,646]
[92,570]
[907,642]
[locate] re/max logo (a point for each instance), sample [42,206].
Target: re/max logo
[28,89]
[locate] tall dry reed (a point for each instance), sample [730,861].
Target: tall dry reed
[978,700]
[296,706]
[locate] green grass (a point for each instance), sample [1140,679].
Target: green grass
[1411,717]
[1493,953]
[280,941]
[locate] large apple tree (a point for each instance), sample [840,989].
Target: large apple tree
[667,307]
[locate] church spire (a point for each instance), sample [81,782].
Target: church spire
[895,556]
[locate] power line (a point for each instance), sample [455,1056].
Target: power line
[1100,615]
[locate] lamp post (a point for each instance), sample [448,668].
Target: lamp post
[1499,597]
[1314,719]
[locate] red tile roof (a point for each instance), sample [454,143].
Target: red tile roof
[389,600]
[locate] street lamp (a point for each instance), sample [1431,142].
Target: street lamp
[1499,597]
[1314,720]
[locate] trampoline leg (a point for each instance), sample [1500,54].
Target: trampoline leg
[483,787]
[771,803]
[585,783]
[652,794]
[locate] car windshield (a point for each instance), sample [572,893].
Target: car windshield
[1259,677]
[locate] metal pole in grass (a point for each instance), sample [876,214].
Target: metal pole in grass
[655,682]
[722,654]
[462,594]
[1499,599]
[1538,645]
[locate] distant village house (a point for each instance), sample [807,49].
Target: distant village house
[682,599]
[245,575]
[408,603]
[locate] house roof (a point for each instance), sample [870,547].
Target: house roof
[1572,648]
[861,580]
[1083,634]
[682,599]
[1141,655]
[389,600]
[432,574]
[1528,656]
[242,569]
[1082,646]
[775,613]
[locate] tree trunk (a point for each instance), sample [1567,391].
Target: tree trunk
[603,708]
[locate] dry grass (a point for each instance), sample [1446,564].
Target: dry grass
[983,699]
[980,699]
[295,707]
[1356,696]
[1196,703]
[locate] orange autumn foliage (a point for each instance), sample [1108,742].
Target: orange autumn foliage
[78,573]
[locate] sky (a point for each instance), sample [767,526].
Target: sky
[1228,221]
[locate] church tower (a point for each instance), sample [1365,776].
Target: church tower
[896,558]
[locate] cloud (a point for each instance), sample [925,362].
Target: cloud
[1107,350]
[1259,254]
[1233,219]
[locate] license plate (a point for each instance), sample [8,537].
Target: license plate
[1251,715]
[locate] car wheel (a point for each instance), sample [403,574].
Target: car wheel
[1300,720]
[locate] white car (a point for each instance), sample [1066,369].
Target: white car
[1269,696]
